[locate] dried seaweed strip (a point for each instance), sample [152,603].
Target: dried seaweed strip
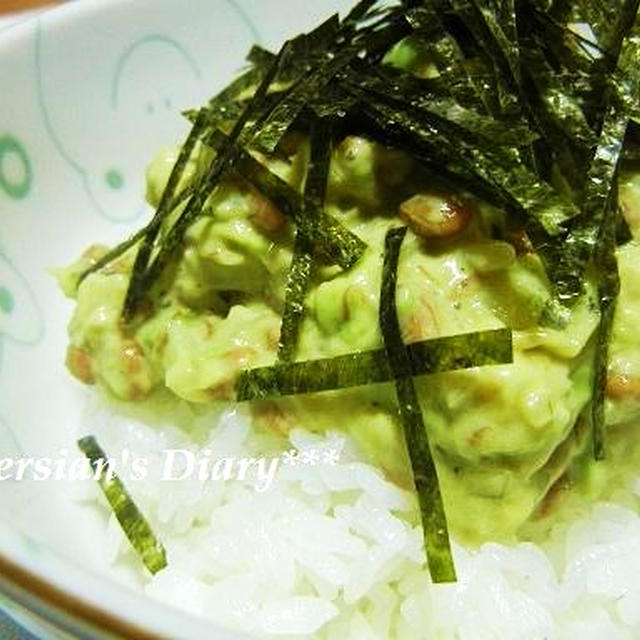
[560,10]
[550,105]
[304,53]
[505,12]
[370,367]
[502,48]
[570,257]
[623,231]
[375,40]
[311,376]
[315,187]
[219,114]
[298,279]
[612,34]
[376,18]
[260,57]
[113,254]
[125,245]
[626,79]
[302,262]
[608,289]
[133,523]
[499,175]
[326,53]
[532,195]
[447,169]
[573,254]
[425,476]
[360,11]
[461,351]
[335,243]
[606,163]
[564,47]
[135,290]
[468,88]
[227,115]
[237,88]
[402,89]
[229,103]
[604,166]
[624,24]
[526,72]
[495,46]
[611,22]
[557,116]
[313,45]
[281,118]
[555,93]
[557,90]
[334,103]
[306,56]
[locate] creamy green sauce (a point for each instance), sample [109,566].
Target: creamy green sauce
[503,436]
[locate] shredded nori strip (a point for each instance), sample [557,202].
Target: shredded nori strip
[113,254]
[298,279]
[423,95]
[575,251]
[302,262]
[260,57]
[359,11]
[436,355]
[227,105]
[496,172]
[425,475]
[604,175]
[165,207]
[133,523]
[281,118]
[608,289]
[471,89]
[125,245]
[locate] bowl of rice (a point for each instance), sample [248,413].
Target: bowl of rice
[318,321]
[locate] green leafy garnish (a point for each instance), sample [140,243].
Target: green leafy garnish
[135,291]
[436,355]
[283,115]
[302,262]
[133,523]
[434,521]
[608,289]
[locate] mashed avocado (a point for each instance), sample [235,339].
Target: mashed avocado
[502,435]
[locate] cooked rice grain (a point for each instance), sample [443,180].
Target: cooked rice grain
[334,551]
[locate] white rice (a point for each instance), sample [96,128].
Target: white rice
[329,551]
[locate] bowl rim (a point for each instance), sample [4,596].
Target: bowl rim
[67,612]
[52,587]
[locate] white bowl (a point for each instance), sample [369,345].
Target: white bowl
[89,92]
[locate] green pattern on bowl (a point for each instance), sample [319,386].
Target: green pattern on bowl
[90,91]
[15,168]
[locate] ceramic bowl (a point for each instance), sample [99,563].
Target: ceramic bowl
[90,91]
